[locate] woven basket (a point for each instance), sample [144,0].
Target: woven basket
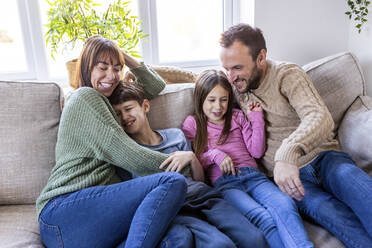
[71,69]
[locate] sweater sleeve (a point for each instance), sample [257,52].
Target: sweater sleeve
[88,128]
[316,121]
[253,131]
[189,128]
[151,82]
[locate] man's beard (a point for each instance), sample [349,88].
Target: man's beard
[253,81]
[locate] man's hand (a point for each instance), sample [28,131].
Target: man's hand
[287,177]
[227,166]
[177,161]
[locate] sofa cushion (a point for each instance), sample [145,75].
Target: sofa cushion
[29,117]
[19,227]
[171,107]
[355,132]
[321,237]
[339,80]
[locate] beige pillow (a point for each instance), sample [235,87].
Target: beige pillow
[355,132]
[29,118]
[171,107]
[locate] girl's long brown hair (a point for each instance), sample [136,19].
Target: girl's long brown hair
[206,81]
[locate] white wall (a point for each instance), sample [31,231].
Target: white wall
[301,31]
[361,46]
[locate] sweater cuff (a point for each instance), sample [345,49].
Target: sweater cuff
[288,153]
[256,116]
[148,79]
[219,157]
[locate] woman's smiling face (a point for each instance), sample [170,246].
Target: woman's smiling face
[105,75]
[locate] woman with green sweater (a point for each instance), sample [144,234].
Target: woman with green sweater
[84,203]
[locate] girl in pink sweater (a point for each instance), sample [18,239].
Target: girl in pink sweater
[227,144]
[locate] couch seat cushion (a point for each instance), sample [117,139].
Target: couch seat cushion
[19,227]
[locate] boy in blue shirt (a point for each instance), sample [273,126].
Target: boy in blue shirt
[206,220]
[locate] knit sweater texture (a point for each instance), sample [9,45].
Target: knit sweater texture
[91,141]
[298,123]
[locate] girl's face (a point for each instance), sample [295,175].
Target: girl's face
[215,105]
[105,75]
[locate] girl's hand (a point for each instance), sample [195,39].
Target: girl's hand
[177,161]
[227,166]
[254,106]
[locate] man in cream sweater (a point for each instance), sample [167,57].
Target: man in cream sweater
[302,153]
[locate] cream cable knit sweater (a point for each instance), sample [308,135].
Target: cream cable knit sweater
[298,124]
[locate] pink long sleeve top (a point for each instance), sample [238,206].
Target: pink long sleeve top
[246,141]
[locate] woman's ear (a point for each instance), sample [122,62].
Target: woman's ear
[146,105]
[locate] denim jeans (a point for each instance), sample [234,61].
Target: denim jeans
[207,203]
[190,232]
[134,213]
[271,210]
[338,197]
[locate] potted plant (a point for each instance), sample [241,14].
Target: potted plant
[72,21]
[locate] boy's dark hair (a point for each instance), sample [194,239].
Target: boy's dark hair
[127,92]
[249,36]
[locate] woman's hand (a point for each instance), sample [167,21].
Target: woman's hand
[129,77]
[227,166]
[130,62]
[177,161]
[180,159]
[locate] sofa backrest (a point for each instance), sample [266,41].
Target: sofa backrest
[338,79]
[29,118]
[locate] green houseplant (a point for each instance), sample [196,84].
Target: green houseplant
[358,12]
[73,21]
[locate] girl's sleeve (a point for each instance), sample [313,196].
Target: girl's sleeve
[253,131]
[150,81]
[211,156]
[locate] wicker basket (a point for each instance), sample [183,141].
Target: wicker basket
[71,68]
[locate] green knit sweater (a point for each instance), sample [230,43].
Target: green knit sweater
[91,141]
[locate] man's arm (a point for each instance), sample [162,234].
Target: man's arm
[316,124]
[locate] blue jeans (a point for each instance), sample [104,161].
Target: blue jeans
[208,204]
[190,232]
[271,210]
[338,197]
[134,213]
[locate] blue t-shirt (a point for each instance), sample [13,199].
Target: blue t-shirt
[173,140]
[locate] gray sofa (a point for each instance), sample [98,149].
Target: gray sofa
[30,112]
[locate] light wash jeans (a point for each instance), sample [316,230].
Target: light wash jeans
[134,213]
[338,197]
[271,210]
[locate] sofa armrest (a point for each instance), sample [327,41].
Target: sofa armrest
[355,132]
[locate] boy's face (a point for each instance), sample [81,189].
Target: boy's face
[132,115]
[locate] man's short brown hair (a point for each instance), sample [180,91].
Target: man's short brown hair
[249,36]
